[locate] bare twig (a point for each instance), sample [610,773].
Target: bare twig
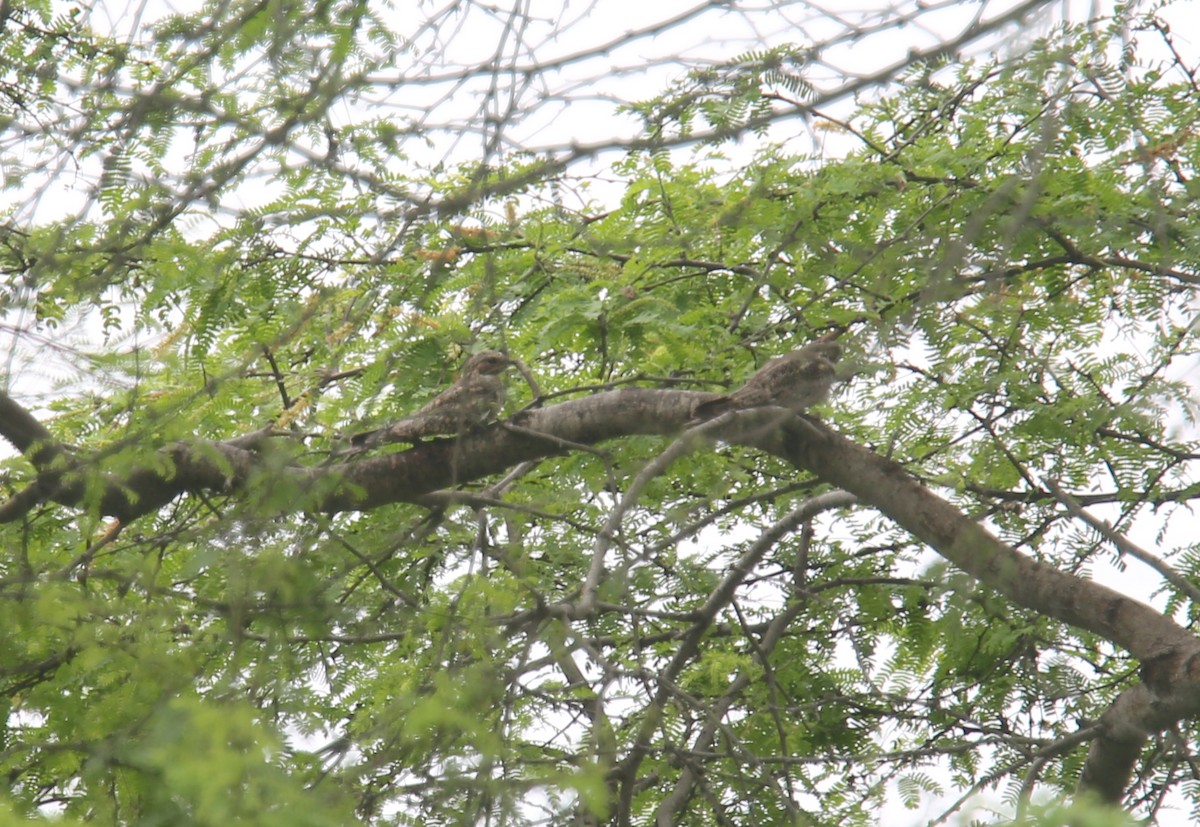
[1123,543]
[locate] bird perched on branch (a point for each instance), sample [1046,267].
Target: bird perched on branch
[474,399]
[795,380]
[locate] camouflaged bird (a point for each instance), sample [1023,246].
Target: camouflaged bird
[474,399]
[795,380]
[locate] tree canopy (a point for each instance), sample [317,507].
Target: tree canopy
[237,235]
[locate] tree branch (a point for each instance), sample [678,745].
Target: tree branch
[1170,654]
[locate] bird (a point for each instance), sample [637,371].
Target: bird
[794,380]
[473,399]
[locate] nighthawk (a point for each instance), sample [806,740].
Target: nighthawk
[795,380]
[475,398]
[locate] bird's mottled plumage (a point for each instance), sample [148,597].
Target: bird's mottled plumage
[795,380]
[474,399]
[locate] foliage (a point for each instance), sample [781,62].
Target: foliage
[1007,252]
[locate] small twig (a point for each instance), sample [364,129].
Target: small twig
[111,533]
[448,498]
[1123,543]
[497,489]
[605,456]
[1050,750]
[528,375]
[277,374]
[554,440]
[655,381]
[253,440]
[689,441]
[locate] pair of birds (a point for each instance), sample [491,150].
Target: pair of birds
[795,380]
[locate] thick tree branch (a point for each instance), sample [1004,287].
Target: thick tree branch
[28,435]
[1170,655]
[407,476]
[224,467]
